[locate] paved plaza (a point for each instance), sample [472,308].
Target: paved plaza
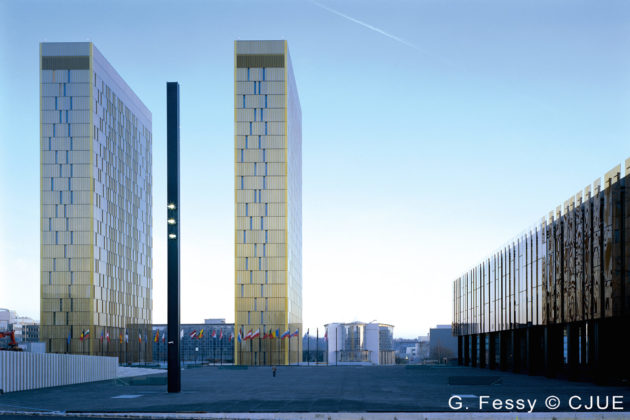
[323,389]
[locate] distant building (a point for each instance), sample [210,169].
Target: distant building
[358,342]
[202,343]
[214,321]
[26,329]
[442,343]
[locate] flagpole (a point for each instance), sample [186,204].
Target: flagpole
[317,348]
[308,348]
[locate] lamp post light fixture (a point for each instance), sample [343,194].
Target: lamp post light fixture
[172,228]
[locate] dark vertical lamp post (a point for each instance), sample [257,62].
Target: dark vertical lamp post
[173,232]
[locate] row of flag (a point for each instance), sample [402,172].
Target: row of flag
[85,334]
[272,334]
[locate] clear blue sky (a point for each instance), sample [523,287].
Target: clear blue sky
[433,132]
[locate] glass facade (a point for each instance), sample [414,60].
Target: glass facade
[96,205]
[199,343]
[268,204]
[572,266]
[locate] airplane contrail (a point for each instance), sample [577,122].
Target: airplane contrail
[366,25]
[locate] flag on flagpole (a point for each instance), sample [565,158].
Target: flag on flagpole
[239,337]
[126,337]
[87,334]
[285,334]
[249,335]
[101,337]
[231,337]
[295,334]
[221,334]
[69,336]
[107,336]
[163,338]
[256,333]
[326,335]
[200,334]
[181,334]
[120,336]
[157,336]
[270,333]
[264,335]
[214,333]
[139,338]
[277,333]
[82,335]
[193,334]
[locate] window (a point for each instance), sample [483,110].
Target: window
[259,263]
[262,291]
[266,276]
[246,142]
[264,250]
[244,237]
[263,75]
[264,159]
[259,142]
[265,209]
[265,128]
[251,223]
[248,320]
[242,183]
[261,223]
[241,155]
[264,183]
[266,236]
[247,73]
[265,169]
[250,128]
[246,263]
[242,290]
[243,101]
[251,277]
[246,209]
[265,101]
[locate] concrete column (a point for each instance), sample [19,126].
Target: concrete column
[516,350]
[503,350]
[474,340]
[572,350]
[492,351]
[466,350]
[482,350]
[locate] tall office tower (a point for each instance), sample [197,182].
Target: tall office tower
[268,205]
[96,204]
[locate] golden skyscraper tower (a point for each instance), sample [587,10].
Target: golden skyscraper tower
[268,205]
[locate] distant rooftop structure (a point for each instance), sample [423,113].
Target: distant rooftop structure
[445,326]
[214,321]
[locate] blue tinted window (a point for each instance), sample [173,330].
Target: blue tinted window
[265,128]
[251,223]
[263,73]
[244,237]
[71,102]
[265,169]
[242,290]
[243,101]
[246,141]
[264,183]
[251,276]
[259,263]
[246,263]
[264,155]
[261,223]
[247,73]
[264,250]
[242,182]
[265,209]
[259,141]
[250,128]
[261,115]
[241,155]
[265,101]
[246,209]
[266,277]
[266,237]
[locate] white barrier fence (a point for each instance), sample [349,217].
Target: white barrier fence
[21,371]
